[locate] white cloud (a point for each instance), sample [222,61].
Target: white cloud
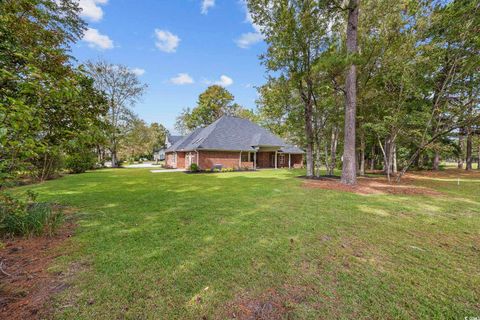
[249,19]
[224,81]
[206,5]
[138,71]
[97,40]
[91,9]
[248,39]
[166,41]
[182,79]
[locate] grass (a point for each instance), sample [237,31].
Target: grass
[179,246]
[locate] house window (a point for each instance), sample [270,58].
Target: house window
[281,158]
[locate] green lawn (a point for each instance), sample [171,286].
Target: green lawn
[179,246]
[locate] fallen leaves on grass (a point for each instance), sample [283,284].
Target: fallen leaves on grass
[270,305]
[366,186]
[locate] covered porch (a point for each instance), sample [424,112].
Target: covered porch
[272,158]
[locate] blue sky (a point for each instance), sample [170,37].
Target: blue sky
[178,47]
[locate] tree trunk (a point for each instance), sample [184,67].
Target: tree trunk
[333,152]
[309,136]
[114,159]
[394,158]
[362,155]
[469,157]
[386,158]
[460,147]
[436,161]
[372,156]
[349,167]
[478,155]
[318,161]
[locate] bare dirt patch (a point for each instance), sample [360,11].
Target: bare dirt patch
[376,185]
[26,285]
[272,304]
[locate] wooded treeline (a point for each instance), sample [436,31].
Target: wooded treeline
[412,68]
[360,84]
[57,115]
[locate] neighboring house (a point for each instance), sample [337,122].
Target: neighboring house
[159,155]
[171,140]
[232,142]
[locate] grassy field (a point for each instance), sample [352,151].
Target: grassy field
[215,246]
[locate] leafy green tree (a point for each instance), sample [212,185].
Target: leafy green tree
[136,141]
[44,101]
[158,136]
[123,90]
[295,33]
[213,103]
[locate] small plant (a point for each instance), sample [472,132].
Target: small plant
[23,216]
[194,167]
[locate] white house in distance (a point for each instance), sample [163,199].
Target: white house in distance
[159,155]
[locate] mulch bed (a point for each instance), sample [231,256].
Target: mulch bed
[365,186]
[25,284]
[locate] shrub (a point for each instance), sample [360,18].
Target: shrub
[80,162]
[23,216]
[194,167]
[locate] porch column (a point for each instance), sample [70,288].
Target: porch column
[255,160]
[289,161]
[240,161]
[276,156]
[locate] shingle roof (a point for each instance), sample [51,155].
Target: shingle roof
[174,139]
[232,134]
[291,149]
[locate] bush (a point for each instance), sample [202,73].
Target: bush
[80,162]
[23,216]
[194,167]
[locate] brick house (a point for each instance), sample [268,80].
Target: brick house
[232,142]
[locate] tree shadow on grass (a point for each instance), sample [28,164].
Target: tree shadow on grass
[177,244]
